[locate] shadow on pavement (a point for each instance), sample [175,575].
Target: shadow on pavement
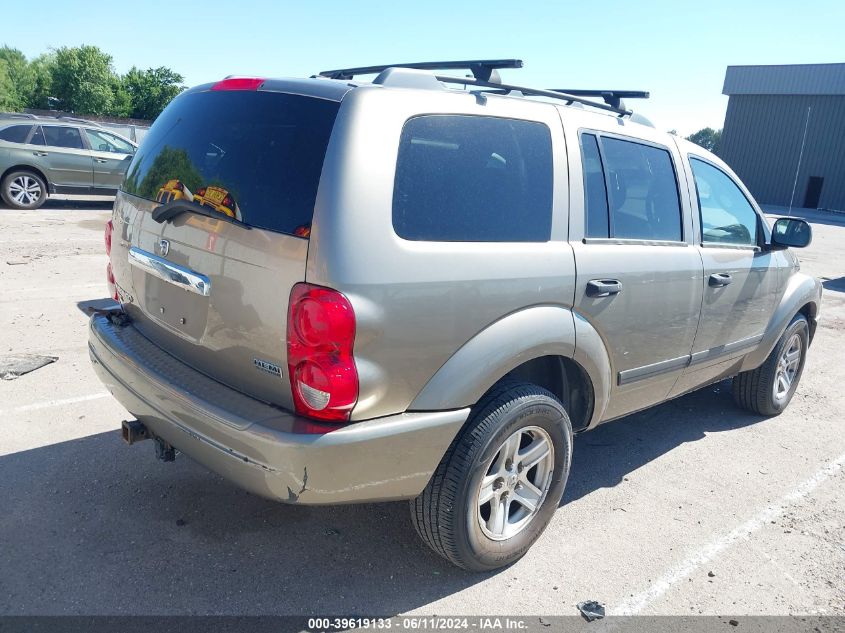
[91,526]
[75,205]
[837,284]
[601,458]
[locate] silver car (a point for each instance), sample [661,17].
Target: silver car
[40,156]
[335,291]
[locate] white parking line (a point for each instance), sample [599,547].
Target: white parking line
[53,403]
[679,572]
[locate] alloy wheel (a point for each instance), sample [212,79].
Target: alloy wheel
[515,483]
[787,367]
[25,190]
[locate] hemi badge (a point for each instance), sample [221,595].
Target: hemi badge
[265,365]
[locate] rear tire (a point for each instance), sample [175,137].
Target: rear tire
[514,453]
[768,389]
[23,189]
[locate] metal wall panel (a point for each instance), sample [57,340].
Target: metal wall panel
[761,141]
[793,79]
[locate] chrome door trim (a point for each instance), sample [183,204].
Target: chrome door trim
[171,273]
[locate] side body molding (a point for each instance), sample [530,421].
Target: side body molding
[507,344]
[800,290]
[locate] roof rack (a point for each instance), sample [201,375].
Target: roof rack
[611,97]
[482,69]
[78,120]
[536,92]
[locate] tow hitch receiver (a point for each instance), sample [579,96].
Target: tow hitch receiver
[133,431]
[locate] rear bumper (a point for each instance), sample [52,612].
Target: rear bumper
[251,443]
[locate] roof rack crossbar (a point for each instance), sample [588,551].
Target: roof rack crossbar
[536,92]
[482,69]
[611,97]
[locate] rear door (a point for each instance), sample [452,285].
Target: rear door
[67,159]
[638,278]
[212,292]
[110,156]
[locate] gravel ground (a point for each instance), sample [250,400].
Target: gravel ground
[693,507]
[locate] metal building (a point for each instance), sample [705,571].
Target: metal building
[784,133]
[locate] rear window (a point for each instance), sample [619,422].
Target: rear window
[255,155]
[473,179]
[15,133]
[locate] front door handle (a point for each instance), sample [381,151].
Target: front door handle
[40,153]
[718,280]
[102,160]
[603,287]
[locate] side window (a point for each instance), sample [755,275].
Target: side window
[643,191]
[473,179]
[59,136]
[15,133]
[105,142]
[595,193]
[726,215]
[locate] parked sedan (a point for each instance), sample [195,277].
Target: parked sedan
[44,156]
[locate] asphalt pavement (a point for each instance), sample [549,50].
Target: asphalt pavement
[693,507]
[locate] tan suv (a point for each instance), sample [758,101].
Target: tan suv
[426,291]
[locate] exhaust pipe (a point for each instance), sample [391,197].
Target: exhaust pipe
[134,431]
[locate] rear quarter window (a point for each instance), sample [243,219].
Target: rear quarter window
[473,179]
[258,154]
[15,133]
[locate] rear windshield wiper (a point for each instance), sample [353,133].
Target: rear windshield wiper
[174,208]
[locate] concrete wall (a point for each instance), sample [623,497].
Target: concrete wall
[761,141]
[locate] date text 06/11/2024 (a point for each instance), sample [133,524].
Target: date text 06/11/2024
[417,623]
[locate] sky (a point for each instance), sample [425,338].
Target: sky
[678,51]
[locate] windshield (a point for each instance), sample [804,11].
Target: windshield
[256,156]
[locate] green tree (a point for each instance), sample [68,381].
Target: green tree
[151,90]
[169,164]
[42,74]
[83,80]
[8,96]
[708,138]
[122,100]
[20,74]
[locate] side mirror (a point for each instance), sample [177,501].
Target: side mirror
[791,232]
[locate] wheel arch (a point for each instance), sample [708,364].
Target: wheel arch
[537,345]
[801,296]
[23,167]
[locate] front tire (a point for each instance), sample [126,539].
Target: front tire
[500,482]
[23,190]
[768,389]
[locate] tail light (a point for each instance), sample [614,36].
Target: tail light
[320,334]
[107,236]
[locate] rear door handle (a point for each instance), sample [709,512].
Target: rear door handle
[720,279]
[603,287]
[40,153]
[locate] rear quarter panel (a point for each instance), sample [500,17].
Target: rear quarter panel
[417,303]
